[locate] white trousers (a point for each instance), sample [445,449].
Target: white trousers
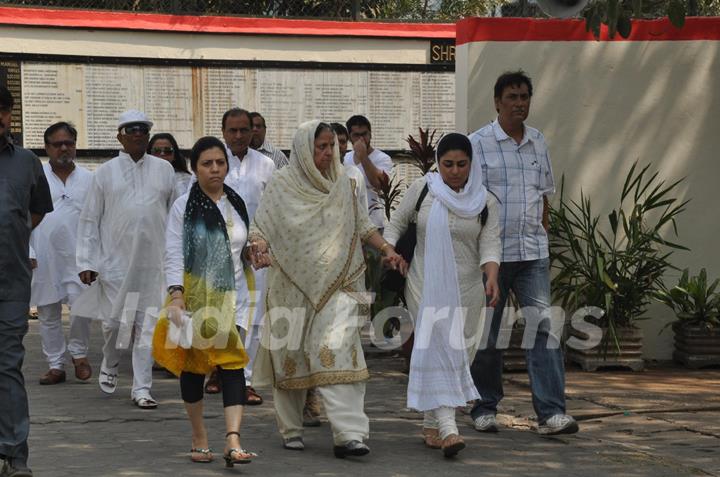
[255,324]
[252,343]
[53,339]
[442,419]
[118,338]
[343,406]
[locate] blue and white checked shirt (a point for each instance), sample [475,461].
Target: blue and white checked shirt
[519,175]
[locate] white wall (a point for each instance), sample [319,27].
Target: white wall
[603,105]
[189,46]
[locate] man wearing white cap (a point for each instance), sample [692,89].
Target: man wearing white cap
[121,242]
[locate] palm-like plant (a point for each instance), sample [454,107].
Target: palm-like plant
[423,151]
[693,301]
[620,271]
[388,195]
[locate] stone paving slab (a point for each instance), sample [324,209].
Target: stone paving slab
[78,431]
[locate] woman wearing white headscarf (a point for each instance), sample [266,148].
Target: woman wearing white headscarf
[310,225]
[457,239]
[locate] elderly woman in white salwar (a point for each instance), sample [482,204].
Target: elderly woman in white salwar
[456,241]
[312,224]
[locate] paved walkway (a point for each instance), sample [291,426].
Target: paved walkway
[662,422]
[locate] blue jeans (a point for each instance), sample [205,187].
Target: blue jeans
[14,417]
[530,281]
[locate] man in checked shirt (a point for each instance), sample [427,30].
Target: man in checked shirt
[516,168]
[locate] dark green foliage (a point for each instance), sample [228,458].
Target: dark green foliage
[617,267]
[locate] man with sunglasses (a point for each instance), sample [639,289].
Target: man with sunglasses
[55,280]
[121,243]
[24,201]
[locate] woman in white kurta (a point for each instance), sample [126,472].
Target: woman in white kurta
[311,220]
[205,241]
[453,249]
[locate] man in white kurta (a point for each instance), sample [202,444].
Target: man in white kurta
[121,243]
[249,172]
[55,280]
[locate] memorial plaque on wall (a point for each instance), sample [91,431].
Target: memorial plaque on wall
[110,90]
[280,98]
[168,95]
[221,89]
[390,106]
[51,93]
[189,101]
[10,77]
[437,100]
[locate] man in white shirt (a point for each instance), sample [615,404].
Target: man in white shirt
[261,144]
[374,164]
[250,170]
[249,173]
[121,243]
[55,280]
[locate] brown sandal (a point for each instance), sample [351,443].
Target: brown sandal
[83,370]
[252,398]
[452,444]
[431,437]
[213,385]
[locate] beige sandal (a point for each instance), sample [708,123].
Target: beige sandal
[200,455]
[431,437]
[237,455]
[452,444]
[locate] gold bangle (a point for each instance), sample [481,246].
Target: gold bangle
[382,247]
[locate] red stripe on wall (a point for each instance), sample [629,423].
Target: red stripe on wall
[537,29]
[212,24]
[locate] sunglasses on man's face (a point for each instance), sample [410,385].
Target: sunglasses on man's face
[135,129]
[162,150]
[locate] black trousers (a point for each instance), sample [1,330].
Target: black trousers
[233,386]
[14,417]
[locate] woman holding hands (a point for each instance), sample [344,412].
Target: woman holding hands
[457,241]
[311,224]
[205,267]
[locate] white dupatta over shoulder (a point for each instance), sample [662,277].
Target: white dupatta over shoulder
[440,368]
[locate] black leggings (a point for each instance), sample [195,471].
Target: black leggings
[233,386]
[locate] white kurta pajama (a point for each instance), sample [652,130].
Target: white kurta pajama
[55,280]
[121,236]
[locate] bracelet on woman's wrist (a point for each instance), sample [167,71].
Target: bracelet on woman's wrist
[382,247]
[175,288]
